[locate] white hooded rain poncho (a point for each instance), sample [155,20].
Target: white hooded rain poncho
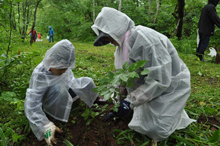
[49,94]
[158,98]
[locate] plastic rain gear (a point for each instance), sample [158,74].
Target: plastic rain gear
[158,99]
[51,32]
[49,94]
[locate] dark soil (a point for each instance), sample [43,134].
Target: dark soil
[211,121]
[97,133]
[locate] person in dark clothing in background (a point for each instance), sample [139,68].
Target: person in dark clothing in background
[208,19]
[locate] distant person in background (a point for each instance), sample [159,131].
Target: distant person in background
[208,19]
[33,36]
[51,34]
[39,37]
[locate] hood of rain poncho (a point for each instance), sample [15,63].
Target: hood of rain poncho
[50,27]
[60,56]
[214,2]
[113,23]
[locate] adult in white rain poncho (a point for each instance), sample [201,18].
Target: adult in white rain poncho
[158,99]
[53,89]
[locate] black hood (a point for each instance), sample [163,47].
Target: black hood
[214,2]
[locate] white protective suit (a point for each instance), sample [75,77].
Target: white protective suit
[49,93]
[158,98]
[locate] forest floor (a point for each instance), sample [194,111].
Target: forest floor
[100,133]
[97,133]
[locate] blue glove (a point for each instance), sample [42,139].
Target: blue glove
[123,111]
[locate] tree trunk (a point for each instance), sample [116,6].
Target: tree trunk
[93,11]
[150,9]
[181,4]
[119,6]
[156,15]
[35,12]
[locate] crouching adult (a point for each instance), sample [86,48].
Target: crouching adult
[157,99]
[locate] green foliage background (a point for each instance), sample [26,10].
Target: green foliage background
[72,19]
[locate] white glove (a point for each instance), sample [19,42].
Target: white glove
[49,133]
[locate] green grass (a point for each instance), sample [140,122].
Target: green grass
[95,62]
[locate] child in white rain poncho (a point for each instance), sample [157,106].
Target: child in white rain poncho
[53,89]
[157,99]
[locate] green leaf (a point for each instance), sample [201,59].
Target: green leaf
[215,136]
[104,92]
[110,75]
[135,66]
[182,140]
[125,65]
[145,72]
[67,142]
[89,121]
[95,89]
[8,96]
[85,114]
[124,77]
[116,81]
[107,96]
[104,80]
[3,137]
[15,137]
[133,74]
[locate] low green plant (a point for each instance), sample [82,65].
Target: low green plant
[2,135]
[122,77]
[67,142]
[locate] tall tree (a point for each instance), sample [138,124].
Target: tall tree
[179,14]
[181,4]
[119,6]
[35,12]
[156,14]
[150,9]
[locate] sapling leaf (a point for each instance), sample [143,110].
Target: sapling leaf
[93,114]
[85,114]
[112,89]
[104,80]
[125,65]
[119,71]
[135,66]
[89,121]
[95,90]
[116,81]
[110,75]
[104,92]
[107,96]
[124,77]
[133,74]
[145,72]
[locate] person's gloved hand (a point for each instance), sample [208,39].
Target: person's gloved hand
[123,111]
[49,133]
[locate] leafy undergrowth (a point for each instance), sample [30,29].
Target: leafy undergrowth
[203,104]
